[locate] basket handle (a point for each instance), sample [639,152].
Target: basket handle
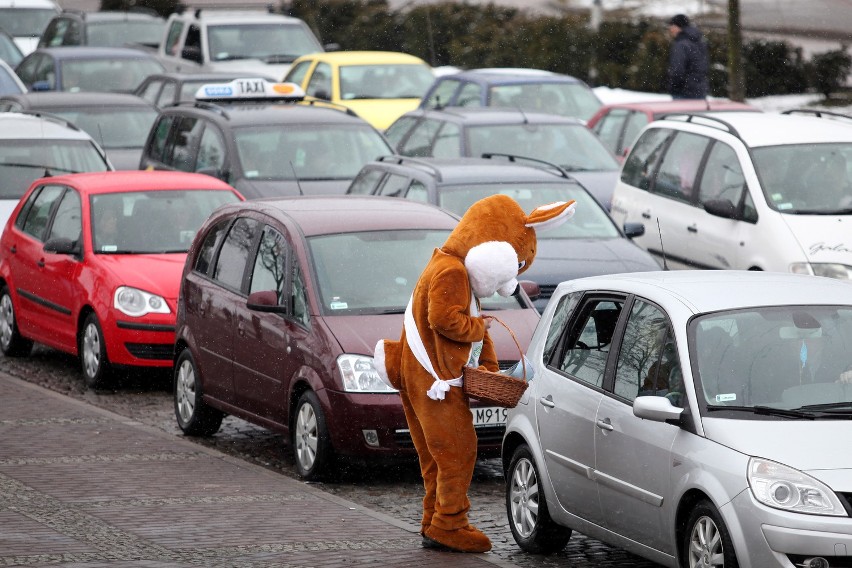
[518,345]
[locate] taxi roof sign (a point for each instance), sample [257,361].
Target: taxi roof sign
[249,89]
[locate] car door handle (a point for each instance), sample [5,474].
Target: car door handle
[605,424]
[646,215]
[40,263]
[547,401]
[692,229]
[14,249]
[241,329]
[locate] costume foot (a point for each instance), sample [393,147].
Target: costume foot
[467,539]
[427,542]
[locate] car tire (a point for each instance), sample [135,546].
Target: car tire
[12,343]
[93,356]
[706,536]
[310,439]
[532,527]
[194,416]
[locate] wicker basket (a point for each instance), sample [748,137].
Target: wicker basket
[496,389]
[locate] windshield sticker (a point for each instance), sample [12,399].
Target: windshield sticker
[782,206]
[823,247]
[777,197]
[338,305]
[109,248]
[726,397]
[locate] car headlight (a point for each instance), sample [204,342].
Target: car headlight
[136,303]
[360,375]
[789,489]
[827,269]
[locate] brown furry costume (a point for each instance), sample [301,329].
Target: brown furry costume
[494,241]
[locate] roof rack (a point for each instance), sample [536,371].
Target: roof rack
[514,158]
[399,160]
[818,113]
[329,104]
[204,105]
[51,117]
[688,117]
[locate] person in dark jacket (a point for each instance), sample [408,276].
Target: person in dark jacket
[688,60]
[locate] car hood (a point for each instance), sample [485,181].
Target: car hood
[599,184]
[359,334]
[807,445]
[250,66]
[253,189]
[823,238]
[156,273]
[381,113]
[124,158]
[26,44]
[557,260]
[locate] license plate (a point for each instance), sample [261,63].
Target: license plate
[489,415]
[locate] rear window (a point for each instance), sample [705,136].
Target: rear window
[24,161]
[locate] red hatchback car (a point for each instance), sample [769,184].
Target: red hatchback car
[281,306]
[618,124]
[90,264]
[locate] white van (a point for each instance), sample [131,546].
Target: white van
[750,191]
[25,20]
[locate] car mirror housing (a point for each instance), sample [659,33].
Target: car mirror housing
[192,54]
[632,230]
[62,246]
[531,288]
[656,408]
[721,208]
[41,86]
[265,301]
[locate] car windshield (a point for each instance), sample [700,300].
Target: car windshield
[594,223]
[785,357]
[572,146]
[9,52]
[120,32]
[409,81]
[121,75]
[271,43]
[24,161]
[151,222]
[116,127]
[567,99]
[309,151]
[355,278]
[25,22]
[806,178]
[8,84]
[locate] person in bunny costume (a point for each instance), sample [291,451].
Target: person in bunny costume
[443,332]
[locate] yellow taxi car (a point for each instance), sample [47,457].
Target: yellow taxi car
[379,86]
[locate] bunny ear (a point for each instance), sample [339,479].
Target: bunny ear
[551,215]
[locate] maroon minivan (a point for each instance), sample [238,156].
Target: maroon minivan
[281,304]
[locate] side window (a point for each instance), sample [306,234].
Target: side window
[55,33]
[557,324]
[587,347]
[299,297]
[647,363]
[609,128]
[417,192]
[749,211]
[365,183]
[193,38]
[68,223]
[22,214]
[231,264]
[39,214]
[470,96]
[168,95]
[642,161]
[28,68]
[297,73]
[211,151]
[270,265]
[74,34]
[171,45]
[419,143]
[394,186]
[443,94]
[635,123]
[150,92]
[320,84]
[158,141]
[722,178]
[448,142]
[209,246]
[676,177]
[398,129]
[181,149]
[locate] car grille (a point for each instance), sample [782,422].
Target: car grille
[485,435]
[159,351]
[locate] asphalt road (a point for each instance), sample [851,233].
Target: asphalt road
[396,491]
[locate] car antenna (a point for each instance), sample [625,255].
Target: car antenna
[520,110]
[662,249]
[296,176]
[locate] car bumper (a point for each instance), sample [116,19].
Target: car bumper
[141,343]
[770,537]
[375,425]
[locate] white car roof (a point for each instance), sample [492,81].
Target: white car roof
[713,290]
[774,129]
[18,126]
[29,4]
[243,16]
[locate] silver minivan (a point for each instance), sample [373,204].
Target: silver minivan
[695,418]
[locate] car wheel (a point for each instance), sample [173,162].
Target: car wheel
[93,356]
[706,539]
[12,342]
[193,415]
[311,442]
[526,506]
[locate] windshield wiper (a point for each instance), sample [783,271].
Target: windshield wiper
[830,407]
[394,311]
[279,58]
[39,167]
[765,410]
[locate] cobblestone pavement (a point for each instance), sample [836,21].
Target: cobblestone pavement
[395,491]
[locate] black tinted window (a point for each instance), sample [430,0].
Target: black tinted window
[208,248]
[640,165]
[39,214]
[231,264]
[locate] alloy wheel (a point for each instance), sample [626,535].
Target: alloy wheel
[91,350]
[306,436]
[524,496]
[7,320]
[705,544]
[185,391]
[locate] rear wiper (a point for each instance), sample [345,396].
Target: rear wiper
[765,410]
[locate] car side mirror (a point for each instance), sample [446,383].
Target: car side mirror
[632,230]
[265,301]
[532,289]
[322,94]
[41,86]
[216,173]
[191,53]
[59,245]
[656,408]
[721,208]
